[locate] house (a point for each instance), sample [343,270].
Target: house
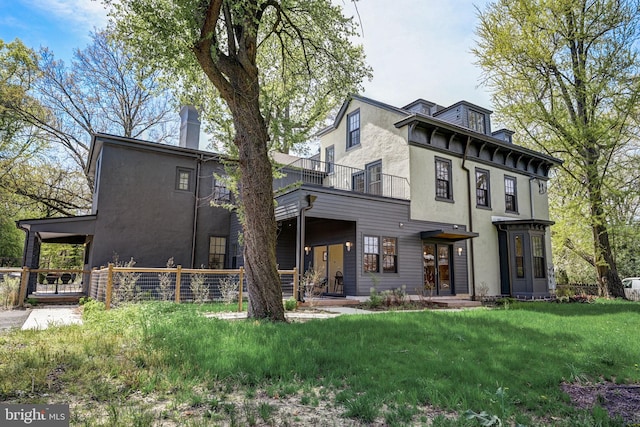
[151,202]
[422,197]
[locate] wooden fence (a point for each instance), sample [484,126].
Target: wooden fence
[114,285]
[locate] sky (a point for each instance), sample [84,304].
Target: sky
[417,48]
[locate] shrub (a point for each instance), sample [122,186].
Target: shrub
[290,304]
[199,289]
[229,289]
[9,291]
[125,289]
[165,288]
[375,299]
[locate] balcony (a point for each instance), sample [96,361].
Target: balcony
[330,175]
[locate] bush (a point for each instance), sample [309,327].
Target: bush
[290,304]
[9,291]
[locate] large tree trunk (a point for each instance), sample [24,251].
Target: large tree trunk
[256,192]
[609,283]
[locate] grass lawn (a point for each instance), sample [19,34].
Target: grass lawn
[166,364]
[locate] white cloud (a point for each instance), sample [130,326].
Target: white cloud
[421,49]
[81,14]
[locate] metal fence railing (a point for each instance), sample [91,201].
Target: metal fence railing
[116,285]
[331,175]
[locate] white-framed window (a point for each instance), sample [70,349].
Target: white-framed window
[184,179]
[371,256]
[217,252]
[476,121]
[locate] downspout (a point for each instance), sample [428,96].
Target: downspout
[531,197]
[471,247]
[300,241]
[195,212]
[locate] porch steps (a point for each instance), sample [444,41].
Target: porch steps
[52,299]
[330,302]
[455,303]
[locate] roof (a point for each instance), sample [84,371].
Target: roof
[98,139]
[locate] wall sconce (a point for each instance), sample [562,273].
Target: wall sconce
[307,249]
[348,245]
[460,251]
[401,224]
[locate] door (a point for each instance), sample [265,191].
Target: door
[329,262]
[437,269]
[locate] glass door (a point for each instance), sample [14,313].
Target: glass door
[437,272]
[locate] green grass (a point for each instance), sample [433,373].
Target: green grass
[508,363]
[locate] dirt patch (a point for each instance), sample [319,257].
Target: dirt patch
[619,400]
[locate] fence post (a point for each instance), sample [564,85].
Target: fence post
[178,279]
[295,284]
[24,280]
[240,289]
[107,302]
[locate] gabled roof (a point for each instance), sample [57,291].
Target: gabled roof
[345,106]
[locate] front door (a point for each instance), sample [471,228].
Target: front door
[329,260]
[437,271]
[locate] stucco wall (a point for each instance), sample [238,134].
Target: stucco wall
[379,140]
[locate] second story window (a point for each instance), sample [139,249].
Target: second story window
[221,193]
[374,178]
[353,129]
[443,179]
[329,158]
[476,121]
[510,194]
[482,188]
[183,179]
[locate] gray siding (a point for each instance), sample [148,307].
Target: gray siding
[375,217]
[142,215]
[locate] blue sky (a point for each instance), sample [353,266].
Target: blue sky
[417,48]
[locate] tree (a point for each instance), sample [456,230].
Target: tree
[104,90]
[565,73]
[268,60]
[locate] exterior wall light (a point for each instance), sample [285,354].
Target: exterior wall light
[348,245]
[460,251]
[307,249]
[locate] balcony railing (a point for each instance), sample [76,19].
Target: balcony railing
[331,175]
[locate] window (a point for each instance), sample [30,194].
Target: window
[519,251]
[329,158]
[510,194]
[221,193]
[371,254]
[443,179]
[353,129]
[482,188]
[389,255]
[374,178]
[183,179]
[357,182]
[539,269]
[217,252]
[476,121]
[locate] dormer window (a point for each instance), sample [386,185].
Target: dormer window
[476,121]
